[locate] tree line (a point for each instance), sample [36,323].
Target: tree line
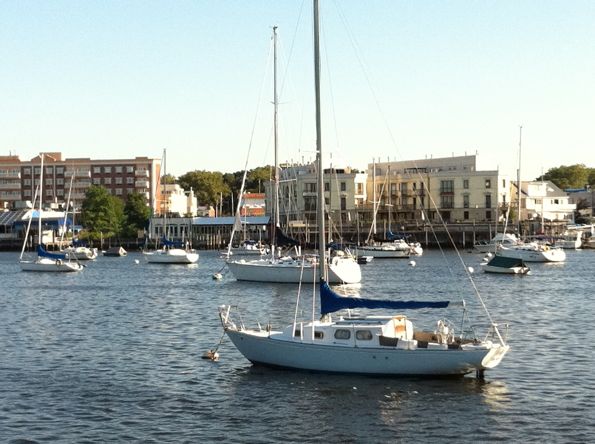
[572,176]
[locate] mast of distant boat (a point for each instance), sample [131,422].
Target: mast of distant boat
[277,223]
[519,182]
[39,237]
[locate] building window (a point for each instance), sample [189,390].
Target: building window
[49,170]
[59,170]
[309,203]
[59,192]
[488,215]
[118,180]
[60,181]
[465,201]
[96,181]
[49,181]
[118,191]
[447,186]
[27,171]
[310,187]
[447,201]
[96,170]
[327,187]
[129,169]
[488,183]
[107,180]
[27,182]
[37,171]
[107,169]
[360,188]
[49,192]
[488,201]
[343,204]
[466,184]
[119,169]
[130,180]
[466,215]
[343,186]
[27,192]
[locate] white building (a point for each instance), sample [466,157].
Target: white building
[177,201]
[542,200]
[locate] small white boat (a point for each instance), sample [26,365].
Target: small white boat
[247,248]
[115,251]
[343,269]
[396,249]
[505,239]
[505,265]
[533,252]
[80,253]
[50,262]
[570,240]
[171,256]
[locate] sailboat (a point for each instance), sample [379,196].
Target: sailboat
[343,268]
[77,250]
[531,251]
[45,260]
[171,252]
[373,345]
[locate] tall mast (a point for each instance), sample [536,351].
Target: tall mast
[276,123]
[320,180]
[39,236]
[373,196]
[518,178]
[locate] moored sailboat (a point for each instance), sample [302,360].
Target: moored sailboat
[373,345]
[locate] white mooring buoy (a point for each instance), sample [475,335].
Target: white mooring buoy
[470,269]
[217,276]
[136,261]
[412,263]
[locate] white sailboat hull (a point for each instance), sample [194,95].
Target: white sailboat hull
[50,265]
[81,253]
[171,256]
[533,255]
[379,252]
[260,348]
[340,271]
[505,270]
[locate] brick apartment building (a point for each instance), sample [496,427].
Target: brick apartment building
[19,179]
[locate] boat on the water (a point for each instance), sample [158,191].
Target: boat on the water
[363,344]
[505,265]
[115,252]
[532,252]
[45,261]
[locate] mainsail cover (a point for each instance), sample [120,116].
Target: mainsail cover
[171,243]
[42,252]
[283,240]
[331,302]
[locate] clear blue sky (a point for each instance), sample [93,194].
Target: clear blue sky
[401,79]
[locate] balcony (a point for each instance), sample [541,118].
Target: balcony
[79,184]
[141,184]
[141,173]
[78,173]
[10,174]
[10,186]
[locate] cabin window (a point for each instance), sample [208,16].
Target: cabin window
[342,333]
[363,335]
[318,335]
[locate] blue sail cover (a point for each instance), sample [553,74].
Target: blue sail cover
[169,243]
[331,302]
[42,252]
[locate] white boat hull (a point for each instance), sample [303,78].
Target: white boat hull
[534,255]
[341,271]
[171,256]
[50,266]
[505,270]
[378,252]
[81,253]
[302,355]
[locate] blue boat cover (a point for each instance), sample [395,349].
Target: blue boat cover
[170,243]
[331,302]
[41,251]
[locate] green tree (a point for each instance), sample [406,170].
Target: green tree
[137,214]
[592,176]
[168,179]
[208,186]
[573,176]
[102,214]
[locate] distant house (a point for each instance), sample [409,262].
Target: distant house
[544,200]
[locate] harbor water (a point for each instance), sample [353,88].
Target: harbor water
[113,354]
